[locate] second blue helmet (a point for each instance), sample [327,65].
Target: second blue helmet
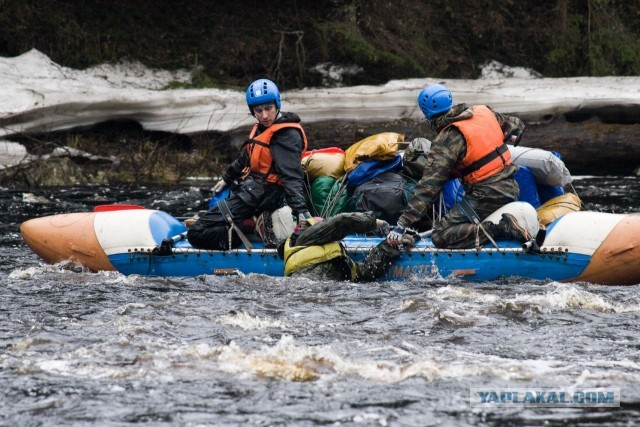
[434,100]
[262,91]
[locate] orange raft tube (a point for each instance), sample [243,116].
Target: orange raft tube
[616,260]
[66,237]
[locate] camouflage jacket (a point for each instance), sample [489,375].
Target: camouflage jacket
[447,150]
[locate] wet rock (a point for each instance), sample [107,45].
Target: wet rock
[52,172]
[34,199]
[63,166]
[79,156]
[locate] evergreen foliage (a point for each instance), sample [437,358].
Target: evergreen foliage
[230,43]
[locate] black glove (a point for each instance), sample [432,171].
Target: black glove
[395,235]
[410,238]
[403,235]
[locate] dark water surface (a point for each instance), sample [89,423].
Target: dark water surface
[102,349]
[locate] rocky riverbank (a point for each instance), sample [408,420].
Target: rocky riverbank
[122,152]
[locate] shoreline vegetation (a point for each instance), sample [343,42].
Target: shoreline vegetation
[227,44]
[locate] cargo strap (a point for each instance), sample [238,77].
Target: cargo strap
[475,219]
[226,212]
[486,160]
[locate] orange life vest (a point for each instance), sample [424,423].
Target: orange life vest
[487,154]
[260,158]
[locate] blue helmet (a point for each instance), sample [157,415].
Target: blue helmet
[434,100]
[262,91]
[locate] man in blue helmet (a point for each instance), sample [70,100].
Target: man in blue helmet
[267,172]
[471,145]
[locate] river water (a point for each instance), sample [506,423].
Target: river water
[102,349]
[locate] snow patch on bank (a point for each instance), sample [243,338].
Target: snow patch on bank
[42,96]
[497,70]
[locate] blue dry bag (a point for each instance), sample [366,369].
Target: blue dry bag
[219,196]
[368,170]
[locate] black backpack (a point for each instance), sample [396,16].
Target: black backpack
[386,195]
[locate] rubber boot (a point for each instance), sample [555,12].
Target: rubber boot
[507,229]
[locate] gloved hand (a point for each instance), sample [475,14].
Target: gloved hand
[514,137]
[219,186]
[303,222]
[395,235]
[410,238]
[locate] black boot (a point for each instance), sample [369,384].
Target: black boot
[507,229]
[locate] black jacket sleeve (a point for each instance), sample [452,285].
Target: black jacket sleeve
[234,171]
[286,149]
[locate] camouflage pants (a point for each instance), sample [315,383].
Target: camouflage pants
[375,264]
[456,230]
[337,227]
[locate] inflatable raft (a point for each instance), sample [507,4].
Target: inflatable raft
[600,248]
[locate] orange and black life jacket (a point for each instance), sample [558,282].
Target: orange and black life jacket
[258,147]
[487,154]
